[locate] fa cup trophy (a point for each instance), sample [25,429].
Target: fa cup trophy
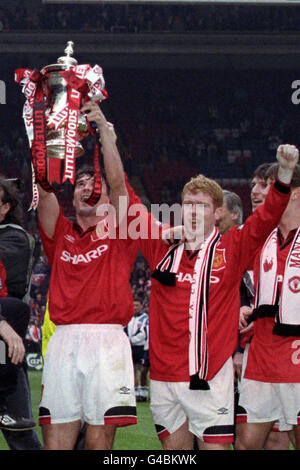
[54,125]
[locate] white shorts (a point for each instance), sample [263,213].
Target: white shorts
[263,402]
[210,413]
[88,376]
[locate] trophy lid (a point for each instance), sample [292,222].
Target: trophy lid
[67,59]
[63,62]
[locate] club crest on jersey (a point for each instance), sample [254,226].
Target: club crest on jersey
[219,259]
[294,284]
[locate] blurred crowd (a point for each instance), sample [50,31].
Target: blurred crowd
[148,18]
[231,124]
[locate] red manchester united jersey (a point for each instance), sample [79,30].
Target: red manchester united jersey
[89,276]
[273,358]
[169,305]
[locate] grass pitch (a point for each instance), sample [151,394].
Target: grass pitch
[139,437]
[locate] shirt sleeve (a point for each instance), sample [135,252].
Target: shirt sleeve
[150,242]
[133,198]
[140,336]
[249,238]
[49,244]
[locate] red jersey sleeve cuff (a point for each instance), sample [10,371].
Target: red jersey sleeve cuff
[282,187]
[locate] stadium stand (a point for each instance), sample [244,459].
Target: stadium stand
[171,123]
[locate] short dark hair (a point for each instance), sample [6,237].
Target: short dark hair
[88,170]
[273,171]
[261,171]
[10,195]
[84,170]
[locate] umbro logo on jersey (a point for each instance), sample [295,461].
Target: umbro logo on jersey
[70,238]
[222,411]
[125,391]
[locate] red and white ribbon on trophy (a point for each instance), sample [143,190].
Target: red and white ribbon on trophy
[84,83]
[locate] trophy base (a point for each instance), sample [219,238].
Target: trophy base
[56,149]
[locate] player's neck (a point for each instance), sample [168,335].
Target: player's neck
[194,244]
[85,222]
[289,221]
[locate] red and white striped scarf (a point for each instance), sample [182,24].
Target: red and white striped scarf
[287,314]
[198,348]
[165,273]
[166,270]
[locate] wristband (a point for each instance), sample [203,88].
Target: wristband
[282,187]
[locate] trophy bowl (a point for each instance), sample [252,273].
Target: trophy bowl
[56,92]
[54,125]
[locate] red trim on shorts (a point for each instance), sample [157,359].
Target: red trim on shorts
[44,420]
[121,421]
[218,439]
[241,419]
[162,435]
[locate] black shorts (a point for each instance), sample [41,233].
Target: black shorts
[146,362]
[138,354]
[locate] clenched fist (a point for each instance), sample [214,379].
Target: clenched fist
[287,156]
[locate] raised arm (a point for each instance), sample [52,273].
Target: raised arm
[48,211]
[112,161]
[48,207]
[266,217]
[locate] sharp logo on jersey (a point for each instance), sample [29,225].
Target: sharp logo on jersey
[294,284]
[219,259]
[83,258]
[186,277]
[181,277]
[268,265]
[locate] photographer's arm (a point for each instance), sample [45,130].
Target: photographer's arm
[16,349]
